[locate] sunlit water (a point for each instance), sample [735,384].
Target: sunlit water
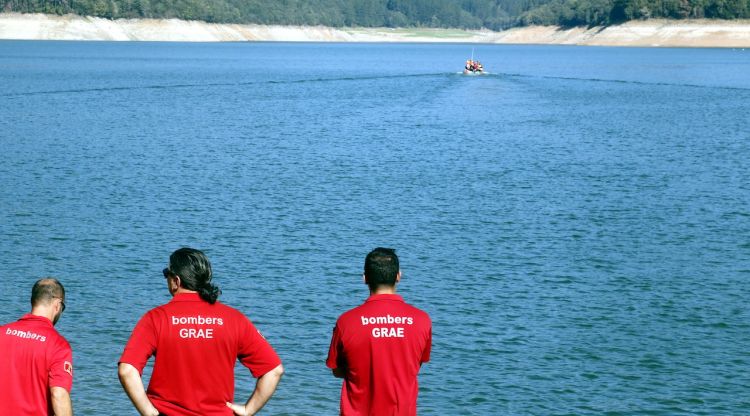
[577,223]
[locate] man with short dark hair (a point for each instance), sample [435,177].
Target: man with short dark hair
[36,362]
[379,347]
[196,341]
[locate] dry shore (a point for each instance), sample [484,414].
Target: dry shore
[683,33]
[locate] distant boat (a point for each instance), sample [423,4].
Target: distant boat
[473,67]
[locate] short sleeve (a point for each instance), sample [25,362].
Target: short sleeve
[255,352]
[142,343]
[428,347]
[334,351]
[61,367]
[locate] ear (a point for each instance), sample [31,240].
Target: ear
[398,276]
[364,278]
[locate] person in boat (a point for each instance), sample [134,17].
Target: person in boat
[196,341]
[468,65]
[478,67]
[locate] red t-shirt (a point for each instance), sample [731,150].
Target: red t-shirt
[196,346]
[33,358]
[380,345]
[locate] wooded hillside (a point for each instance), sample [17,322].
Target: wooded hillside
[465,14]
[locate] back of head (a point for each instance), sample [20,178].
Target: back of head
[45,290]
[194,270]
[381,267]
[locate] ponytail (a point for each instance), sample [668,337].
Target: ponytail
[209,292]
[194,269]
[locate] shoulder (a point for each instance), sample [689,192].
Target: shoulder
[351,314]
[419,314]
[159,311]
[59,341]
[154,316]
[63,344]
[227,310]
[229,314]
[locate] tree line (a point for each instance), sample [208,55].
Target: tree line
[464,14]
[568,13]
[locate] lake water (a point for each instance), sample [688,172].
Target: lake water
[577,223]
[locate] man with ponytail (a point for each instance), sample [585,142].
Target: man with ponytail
[196,341]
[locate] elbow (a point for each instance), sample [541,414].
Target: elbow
[274,374]
[58,394]
[278,371]
[125,371]
[60,401]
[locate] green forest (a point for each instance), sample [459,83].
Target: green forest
[464,14]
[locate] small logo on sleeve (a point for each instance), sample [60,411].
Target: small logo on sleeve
[68,367]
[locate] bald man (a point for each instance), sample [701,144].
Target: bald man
[36,363]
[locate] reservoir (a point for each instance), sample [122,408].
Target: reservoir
[576,222]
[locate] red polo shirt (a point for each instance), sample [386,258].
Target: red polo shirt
[196,346]
[380,345]
[33,358]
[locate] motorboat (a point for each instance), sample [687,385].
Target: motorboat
[473,67]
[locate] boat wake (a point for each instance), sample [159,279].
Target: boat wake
[621,81]
[505,75]
[214,84]
[478,74]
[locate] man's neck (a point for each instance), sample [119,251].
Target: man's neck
[383,290]
[43,312]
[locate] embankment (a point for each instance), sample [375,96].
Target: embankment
[678,33]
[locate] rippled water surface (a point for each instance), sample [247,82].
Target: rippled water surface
[577,223]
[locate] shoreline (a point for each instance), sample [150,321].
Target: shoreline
[649,33]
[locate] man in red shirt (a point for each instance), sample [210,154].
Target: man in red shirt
[378,347]
[196,341]
[36,362]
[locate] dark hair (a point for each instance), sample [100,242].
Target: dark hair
[45,290]
[381,267]
[194,270]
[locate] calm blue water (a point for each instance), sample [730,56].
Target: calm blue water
[577,223]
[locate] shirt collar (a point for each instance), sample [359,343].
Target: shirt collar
[186,297]
[37,318]
[388,296]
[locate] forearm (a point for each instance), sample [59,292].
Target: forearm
[131,381]
[61,404]
[264,389]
